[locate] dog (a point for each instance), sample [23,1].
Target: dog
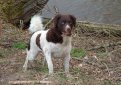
[54,42]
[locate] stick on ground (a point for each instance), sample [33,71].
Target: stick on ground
[29,82]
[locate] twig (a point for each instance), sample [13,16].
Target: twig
[49,22]
[56,9]
[21,24]
[29,82]
[76,59]
[107,68]
[106,45]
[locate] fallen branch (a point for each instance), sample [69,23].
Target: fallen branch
[107,45]
[77,59]
[48,22]
[29,82]
[107,68]
[94,29]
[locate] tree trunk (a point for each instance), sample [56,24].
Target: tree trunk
[21,10]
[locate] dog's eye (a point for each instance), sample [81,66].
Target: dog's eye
[63,23]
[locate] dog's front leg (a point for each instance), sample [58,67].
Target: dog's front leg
[49,62]
[66,63]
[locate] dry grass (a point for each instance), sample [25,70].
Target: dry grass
[86,69]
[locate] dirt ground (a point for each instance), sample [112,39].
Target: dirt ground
[100,64]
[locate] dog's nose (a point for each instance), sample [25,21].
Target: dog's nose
[68,28]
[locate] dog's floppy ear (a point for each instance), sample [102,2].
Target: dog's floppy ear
[73,20]
[55,20]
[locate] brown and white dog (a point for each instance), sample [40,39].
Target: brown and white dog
[54,42]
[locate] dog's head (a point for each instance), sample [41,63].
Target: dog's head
[64,24]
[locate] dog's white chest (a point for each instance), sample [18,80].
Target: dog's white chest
[60,51]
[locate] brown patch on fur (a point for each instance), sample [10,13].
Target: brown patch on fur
[73,20]
[53,36]
[29,46]
[38,40]
[55,20]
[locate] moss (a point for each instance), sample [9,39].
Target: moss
[76,52]
[11,9]
[19,45]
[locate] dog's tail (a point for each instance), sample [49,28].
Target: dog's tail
[36,24]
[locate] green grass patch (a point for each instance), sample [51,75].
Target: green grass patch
[42,69]
[76,70]
[19,45]
[77,52]
[4,52]
[107,82]
[1,55]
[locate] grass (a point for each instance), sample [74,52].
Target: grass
[42,69]
[6,52]
[19,45]
[77,52]
[1,55]
[107,82]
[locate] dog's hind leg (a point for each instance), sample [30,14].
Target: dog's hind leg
[31,54]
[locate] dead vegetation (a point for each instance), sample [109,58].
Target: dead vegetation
[96,58]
